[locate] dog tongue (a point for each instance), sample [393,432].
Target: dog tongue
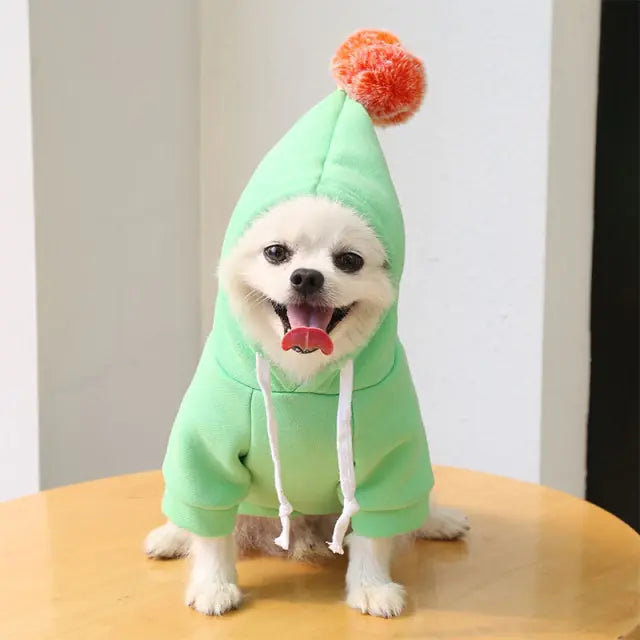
[308,328]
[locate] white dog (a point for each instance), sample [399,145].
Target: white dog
[316,258]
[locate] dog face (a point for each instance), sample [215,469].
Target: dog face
[311,262]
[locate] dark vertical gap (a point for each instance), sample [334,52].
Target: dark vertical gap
[613,475]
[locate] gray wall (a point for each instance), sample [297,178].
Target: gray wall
[116,138]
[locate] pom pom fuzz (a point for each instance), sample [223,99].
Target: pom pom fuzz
[374,69]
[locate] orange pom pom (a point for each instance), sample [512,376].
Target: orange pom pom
[375,70]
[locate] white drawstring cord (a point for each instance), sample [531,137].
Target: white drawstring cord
[263,372]
[345,455]
[345,459]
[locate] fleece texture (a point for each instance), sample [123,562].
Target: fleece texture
[218,461]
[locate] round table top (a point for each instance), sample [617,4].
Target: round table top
[536,564]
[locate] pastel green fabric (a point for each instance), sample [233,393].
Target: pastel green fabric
[332,151]
[218,461]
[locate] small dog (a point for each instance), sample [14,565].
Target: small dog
[306,256]
[303,397]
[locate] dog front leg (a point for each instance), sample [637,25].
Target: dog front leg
[212,586]
[369,585]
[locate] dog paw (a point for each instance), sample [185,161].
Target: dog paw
[382,600]
[213,598]
[444,524]
[167,542]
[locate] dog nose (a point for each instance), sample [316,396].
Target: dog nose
[306,281]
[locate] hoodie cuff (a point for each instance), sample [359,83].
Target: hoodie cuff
[384,524]
[206,523]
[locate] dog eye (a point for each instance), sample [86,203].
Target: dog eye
[277,253]
[348,262]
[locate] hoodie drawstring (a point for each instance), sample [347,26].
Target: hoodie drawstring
[345,459]
[345,455]
[263,372]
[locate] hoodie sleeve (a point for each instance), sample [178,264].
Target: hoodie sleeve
[205,478]
[393,468]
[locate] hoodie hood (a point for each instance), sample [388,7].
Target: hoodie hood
[331,152]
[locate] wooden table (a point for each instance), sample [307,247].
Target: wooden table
[537,564]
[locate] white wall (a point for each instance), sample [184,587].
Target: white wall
[18,348]
[472,172]
[116,102]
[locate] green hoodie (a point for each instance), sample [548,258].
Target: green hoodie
[218,461]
